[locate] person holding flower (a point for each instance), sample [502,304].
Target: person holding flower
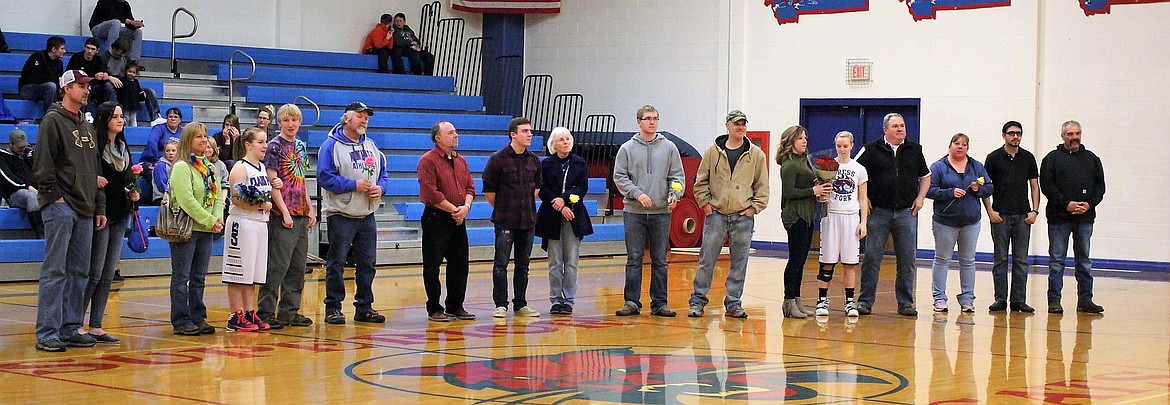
[844,226]
[118,172]
[195,189]
[562,220]
[648,173]
[957,183]
[511,179]
[352,172]
[245,249]
[799,194]
[730,199]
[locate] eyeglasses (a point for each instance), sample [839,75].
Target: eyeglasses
[648,119]
[1014,133]
[174,116]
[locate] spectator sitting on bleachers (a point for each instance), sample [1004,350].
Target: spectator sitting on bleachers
[115,57]
[16,179]
[101,87]
[155,143]
[133,97]
[162,171]
[378,42]
[113,19]
[38,77]
[406,43]
[227,138]
[3,43]
[264,121]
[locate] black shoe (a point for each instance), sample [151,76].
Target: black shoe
[863,310]
[335,317]
[627,310]
[80,340]
[186,330]
[205,329]
[51,345]
[1089,307]
[105,338]
[439,316]
[370,316]
[907,311]
[461,314]
[664,312]
[118,276]
[295,320]
[1054,307]
[1022,307]
[998,306]
[272,321]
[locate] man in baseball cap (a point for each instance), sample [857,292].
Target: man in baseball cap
[359,106]
[74,76]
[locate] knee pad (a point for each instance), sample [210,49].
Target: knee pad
[826,273]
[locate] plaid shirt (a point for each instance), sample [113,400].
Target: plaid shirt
[514,178]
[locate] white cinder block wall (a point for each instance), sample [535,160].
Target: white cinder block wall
[1040,64]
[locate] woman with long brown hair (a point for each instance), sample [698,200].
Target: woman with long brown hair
[799,192]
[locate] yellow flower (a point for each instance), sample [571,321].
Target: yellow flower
[573,198]
[980,180]
[676,186]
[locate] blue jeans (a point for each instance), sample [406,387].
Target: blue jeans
[68,238]
[506,240]
[43,93]
[107,250]
[1014,234]
[716,227]
[1058,234]
[563,255]
[904,227]
[288,249]
[189,261]
[25,200]
[360,235]
[641,228]
[151,105]
[110,30]
[100,91]
[945,238]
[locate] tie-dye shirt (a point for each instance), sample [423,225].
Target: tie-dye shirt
[290,160]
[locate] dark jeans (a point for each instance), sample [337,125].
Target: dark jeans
[189,261]
[383,57]
[641,228]
[903,226]
[506,240]
[288,249]
[1058,235]
[1014,234]
[360,234]
[43,93]
[99,91]
[443,239]
[107,250]
[421,62]
[799,242]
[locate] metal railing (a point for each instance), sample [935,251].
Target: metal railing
[537,97]
[315,107]
[449,40]
[469,69]
[428,22]
[232,76]
[194,27]
[511,69]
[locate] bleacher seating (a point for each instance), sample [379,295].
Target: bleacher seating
[360,79]
[376,99]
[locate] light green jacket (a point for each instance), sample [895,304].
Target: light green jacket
[188,190]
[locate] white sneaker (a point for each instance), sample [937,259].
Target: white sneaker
[823,307]
[851,309]
[88,117]
[526,311]
[159,120]
[500,312]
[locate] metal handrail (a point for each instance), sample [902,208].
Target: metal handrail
[315,106]
[194,27]
[232,77]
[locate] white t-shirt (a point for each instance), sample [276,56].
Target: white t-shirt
[849,177]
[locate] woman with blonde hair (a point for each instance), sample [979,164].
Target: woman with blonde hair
[195,189]
[798,208]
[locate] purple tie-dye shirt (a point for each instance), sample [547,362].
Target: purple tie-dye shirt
[290,160]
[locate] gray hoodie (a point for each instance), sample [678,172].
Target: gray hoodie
[649,168]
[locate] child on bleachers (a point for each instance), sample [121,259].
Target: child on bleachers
[162,172]
[133,97]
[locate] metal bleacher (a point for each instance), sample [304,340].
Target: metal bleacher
[406,108]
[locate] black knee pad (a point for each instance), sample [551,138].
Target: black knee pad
[826,273]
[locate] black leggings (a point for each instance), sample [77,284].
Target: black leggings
[799,241]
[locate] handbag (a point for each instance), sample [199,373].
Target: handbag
[136,238]
[174,225]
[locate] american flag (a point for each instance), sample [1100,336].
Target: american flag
[508,6]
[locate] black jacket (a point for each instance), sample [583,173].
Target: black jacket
[1071,176]
[39,68]
[561,178]
[893,180]
[107,10]
[16,170]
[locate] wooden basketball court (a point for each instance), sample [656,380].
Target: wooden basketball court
[1122,356]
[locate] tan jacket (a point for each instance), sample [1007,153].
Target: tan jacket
[730,193]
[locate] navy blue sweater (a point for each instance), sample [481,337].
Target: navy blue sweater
[944,179]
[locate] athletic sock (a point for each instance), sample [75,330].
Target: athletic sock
[849,294]
[823,292]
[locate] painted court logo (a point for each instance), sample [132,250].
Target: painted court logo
[632,375]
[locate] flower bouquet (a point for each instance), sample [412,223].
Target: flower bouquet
[251,194]
[825,166]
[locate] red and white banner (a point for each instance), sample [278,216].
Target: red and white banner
[507,6]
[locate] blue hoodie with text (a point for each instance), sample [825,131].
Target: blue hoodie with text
[341,162]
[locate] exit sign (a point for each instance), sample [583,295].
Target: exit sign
[858,70]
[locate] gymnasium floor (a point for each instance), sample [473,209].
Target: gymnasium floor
[1122,356]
